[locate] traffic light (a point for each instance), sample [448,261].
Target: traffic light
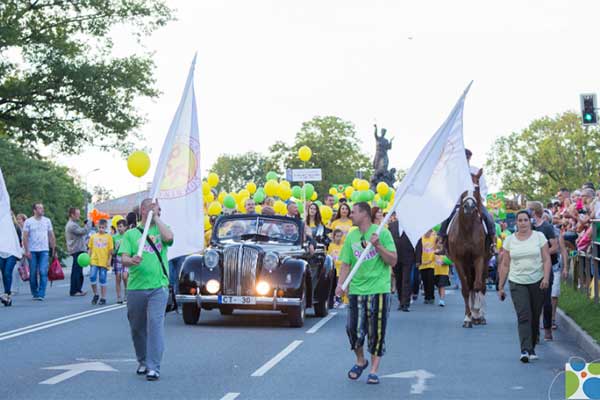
[588,109]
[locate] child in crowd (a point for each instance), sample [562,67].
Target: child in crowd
[441,277]
[100,250]
[426,263]
[121,272]
[335,247]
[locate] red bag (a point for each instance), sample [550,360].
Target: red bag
[24,270]
[55,272]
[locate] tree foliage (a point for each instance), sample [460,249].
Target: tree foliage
[30,180]
[549,154]
[236,170]
[59,83]
[335,149]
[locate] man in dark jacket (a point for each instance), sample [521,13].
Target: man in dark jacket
[402,269]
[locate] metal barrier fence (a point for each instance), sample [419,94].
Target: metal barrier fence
[584,266]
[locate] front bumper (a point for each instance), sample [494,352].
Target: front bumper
[260,301]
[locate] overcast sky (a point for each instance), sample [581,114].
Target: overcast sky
[264,67]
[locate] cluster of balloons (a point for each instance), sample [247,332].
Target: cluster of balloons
[96,216]
[360,191]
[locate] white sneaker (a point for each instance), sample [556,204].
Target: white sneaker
[442,303]
[524,357]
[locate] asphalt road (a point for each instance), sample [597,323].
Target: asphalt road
[235,357]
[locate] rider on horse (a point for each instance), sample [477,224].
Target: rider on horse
[487,218]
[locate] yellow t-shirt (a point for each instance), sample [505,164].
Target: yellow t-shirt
[428,255]
[334,252]
[101,246]
[440,267]
[343,226]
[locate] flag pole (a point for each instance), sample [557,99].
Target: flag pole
[399,196]
[160,171]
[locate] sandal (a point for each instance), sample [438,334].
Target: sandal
[372,379]
[357,370]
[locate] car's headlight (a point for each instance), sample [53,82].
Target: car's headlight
[211,259]
[271,261]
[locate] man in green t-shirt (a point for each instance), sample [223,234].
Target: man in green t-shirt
[148,291]
[369,290]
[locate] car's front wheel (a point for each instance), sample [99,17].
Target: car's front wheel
[296,314]
[191,313]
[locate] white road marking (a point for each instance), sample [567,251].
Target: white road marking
[56,319]
[131,360]
[76,369]
[420,374]
[272,362]
[230,396]
[60,321]
[322,322]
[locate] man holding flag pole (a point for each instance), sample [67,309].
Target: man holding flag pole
[177,184]
[437,178]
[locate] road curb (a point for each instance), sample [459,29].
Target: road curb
[582,338]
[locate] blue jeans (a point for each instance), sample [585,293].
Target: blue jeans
[174,268]
[38,265]
[96,271]
[7,265]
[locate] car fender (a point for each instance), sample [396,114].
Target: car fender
[194,274]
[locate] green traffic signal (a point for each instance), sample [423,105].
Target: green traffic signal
[588,117]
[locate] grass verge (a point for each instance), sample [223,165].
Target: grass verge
[581,309]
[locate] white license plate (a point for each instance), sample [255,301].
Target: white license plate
[237,300]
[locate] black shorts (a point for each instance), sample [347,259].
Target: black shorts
[367,316]
[441,281]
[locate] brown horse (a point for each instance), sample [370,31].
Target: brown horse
[467,249]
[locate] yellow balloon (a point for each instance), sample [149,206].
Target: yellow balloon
[214,208]
[284,192]
[271,187]
[209,198]
[207,224]
[244,193]
[305,153]
[348,192]
[258,209]
[280,208]
[212,179]
[363,185]
[383,188]
[138,163]
[242,204]
[221,197]
[333,191]
[115,220]
[205,188]
[326,213]
[251,187]
[285,184]
[355,183]
[314,196]
[377,198]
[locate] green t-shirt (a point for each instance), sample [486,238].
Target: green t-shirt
[373,277]
[149,274]
[117,238]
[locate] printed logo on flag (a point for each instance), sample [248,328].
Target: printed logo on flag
[582,380]
[181,175]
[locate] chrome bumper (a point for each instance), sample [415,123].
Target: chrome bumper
[260,301]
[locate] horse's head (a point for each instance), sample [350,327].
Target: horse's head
[476,177]
[468,203]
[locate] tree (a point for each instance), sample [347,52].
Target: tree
[549,154]
[101,194]
[236,170]
[336,150]
[30,180]
[59,83]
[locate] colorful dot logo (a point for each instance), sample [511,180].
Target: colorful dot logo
[582,380]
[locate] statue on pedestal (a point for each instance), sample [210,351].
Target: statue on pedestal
[381,161]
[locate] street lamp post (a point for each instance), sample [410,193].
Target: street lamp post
[85,182]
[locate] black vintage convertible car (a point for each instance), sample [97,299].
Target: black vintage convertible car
[257,262]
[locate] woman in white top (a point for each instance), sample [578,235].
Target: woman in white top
[526,263]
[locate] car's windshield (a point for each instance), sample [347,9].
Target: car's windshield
[257,229]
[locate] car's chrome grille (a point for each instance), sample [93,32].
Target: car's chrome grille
[239,275]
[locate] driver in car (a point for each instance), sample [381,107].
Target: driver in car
[237,230]
[290,232]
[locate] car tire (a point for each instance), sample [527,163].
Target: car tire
[321,308]
[226,310]
[296,314]
[191,313]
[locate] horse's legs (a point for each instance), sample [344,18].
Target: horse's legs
[479,282]
[483,307]
[467,323]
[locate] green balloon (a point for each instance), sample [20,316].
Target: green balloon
[259,196]
[229,201]
[318,202]
[297,192]
[83,260]
[371,195]
[309,190]
[336,198]
[272,175]
[300,205]
[447,261]
[388,195]
[381,204]
[355,196]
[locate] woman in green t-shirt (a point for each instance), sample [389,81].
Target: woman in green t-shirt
[526,263]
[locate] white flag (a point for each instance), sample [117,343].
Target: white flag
[177,182]
[9,245]
[437,178]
